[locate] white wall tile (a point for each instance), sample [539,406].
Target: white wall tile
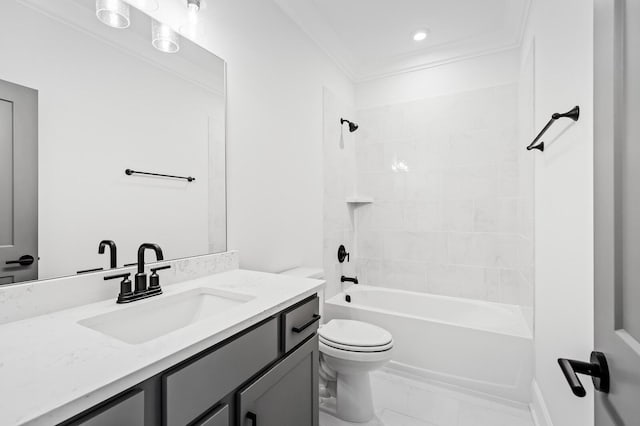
[452,189]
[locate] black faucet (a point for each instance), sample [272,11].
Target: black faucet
[141,277]
[344,279]
[141,290]
[112,252]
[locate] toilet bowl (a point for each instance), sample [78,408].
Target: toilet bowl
[349,350]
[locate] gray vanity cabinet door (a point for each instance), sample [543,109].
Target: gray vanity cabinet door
[287,395]
[219,417]
[127,411]
[191,390]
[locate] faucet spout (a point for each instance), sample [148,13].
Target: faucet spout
[141,277]
[113,262]
[148,246]
[344,279]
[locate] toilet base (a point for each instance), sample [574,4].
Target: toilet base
[354,402]
[329,416]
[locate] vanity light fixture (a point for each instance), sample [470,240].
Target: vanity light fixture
[114,13]
[421,35]
[164,38]
[193,6]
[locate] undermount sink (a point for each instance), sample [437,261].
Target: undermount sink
[152,318]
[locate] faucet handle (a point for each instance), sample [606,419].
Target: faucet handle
[154,278]
[126,294]
[160,268]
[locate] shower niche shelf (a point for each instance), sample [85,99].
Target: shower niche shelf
[356,200]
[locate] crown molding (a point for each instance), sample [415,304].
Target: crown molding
[332,47]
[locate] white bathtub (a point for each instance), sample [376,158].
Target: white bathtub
[482,346]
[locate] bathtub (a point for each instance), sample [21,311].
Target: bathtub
[481,346]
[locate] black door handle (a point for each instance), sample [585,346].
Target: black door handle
[253,417]
[25,260]
[598,369]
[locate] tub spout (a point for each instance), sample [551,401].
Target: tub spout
[349,280]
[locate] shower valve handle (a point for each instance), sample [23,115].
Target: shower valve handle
[342,254]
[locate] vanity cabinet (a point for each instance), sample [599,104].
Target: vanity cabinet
[194,388]
[287,394]
[126,410]
[219,417]
[266,375]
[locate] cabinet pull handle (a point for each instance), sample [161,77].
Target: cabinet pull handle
[253,417]
[302,328]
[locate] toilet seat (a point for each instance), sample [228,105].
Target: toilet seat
[355,340]
[354,334]
[352,348]
[361,357]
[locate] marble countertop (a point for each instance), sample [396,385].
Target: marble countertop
[52,368]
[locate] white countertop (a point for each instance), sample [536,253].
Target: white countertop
[52,368]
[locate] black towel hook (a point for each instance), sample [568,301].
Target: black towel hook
[573,114]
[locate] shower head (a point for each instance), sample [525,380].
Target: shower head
[352,126]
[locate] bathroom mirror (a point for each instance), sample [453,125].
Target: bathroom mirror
[80,103]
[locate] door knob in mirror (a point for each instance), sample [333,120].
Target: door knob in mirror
[25,260]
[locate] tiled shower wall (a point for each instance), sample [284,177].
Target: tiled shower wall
[448,216]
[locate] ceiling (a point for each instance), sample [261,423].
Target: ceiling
[374,38]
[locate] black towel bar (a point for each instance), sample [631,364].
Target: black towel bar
[130,172]
[574,114]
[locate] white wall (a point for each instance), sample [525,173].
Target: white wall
[563,35]
[276,76]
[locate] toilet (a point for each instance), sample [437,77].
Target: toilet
[349,350]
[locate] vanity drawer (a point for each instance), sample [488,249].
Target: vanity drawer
[299,323]
[193,389]
[128,410]
[219,417]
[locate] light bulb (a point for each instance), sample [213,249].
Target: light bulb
[114,13]
[164,38]
[193,6]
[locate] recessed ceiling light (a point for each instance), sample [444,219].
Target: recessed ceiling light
[420,35]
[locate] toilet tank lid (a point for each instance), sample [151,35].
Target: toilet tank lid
[305,272]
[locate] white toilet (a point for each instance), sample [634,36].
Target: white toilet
[349,350]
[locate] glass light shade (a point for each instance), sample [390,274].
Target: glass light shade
[193,6]
[114,13]
[145,5]
[164,38]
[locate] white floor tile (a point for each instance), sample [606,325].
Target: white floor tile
[477,416]
[391,418]
[405,401]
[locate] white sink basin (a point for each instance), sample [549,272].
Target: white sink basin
[151,318]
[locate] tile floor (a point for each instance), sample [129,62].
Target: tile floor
[404,401]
